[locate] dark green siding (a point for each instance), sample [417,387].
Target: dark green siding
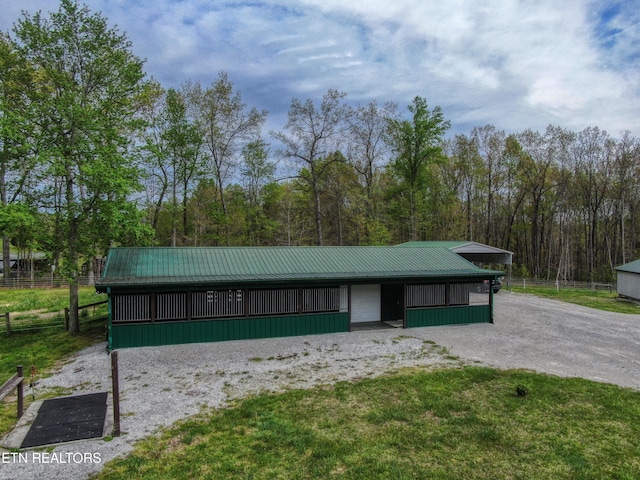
[169,333]
[434,316]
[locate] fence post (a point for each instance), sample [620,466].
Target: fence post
[115,393]
[8,323]
[20,392]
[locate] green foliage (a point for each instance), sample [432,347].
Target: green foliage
[416,142]
[417,145]
[85,99]
[521,271]
[464,423]
[18,221]
[80,128]
[88,85]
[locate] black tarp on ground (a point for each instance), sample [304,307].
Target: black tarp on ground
[67,419]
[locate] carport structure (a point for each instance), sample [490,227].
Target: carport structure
[472,251]
[159,296]
[479,253]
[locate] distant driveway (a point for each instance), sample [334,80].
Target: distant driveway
[553,337]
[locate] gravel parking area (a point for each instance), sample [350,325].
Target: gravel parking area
[161,385]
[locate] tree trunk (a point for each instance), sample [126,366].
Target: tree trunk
[6,260]
[318,214]
[74,325]
[223,204]
[6,241]
[74,321]
[158,207]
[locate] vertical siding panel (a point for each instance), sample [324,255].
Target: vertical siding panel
[448,316]
[165,333]
[218,330]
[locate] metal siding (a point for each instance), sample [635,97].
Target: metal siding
[365,303]
[426,295]
[170,333]
[429,317]
[628,284]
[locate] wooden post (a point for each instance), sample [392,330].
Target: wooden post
[8,323]
[20,389]
[491,283]
[115,393]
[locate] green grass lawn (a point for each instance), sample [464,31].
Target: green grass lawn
[449,424]
[43,299]
[42,348]
[457,423]
[600,299]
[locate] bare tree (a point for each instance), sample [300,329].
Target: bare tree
[226,126]
[368,150]
[313,134]
[593,153]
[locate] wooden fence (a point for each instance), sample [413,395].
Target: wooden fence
[43,282]
[20,323]
[17,382]
[531,282]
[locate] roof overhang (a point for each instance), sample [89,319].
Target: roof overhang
[631,267]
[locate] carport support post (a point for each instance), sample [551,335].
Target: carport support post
[491,284]
[115,393]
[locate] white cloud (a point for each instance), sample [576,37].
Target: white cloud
[516,64]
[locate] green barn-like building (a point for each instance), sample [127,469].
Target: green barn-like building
[161,296]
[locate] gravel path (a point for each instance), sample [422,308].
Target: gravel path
[160,385]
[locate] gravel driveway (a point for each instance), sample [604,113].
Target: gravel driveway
[160,385]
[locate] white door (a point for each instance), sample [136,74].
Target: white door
[365,303]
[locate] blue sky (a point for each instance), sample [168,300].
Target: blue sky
[513,64]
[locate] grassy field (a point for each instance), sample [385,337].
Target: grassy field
[600,299]
[459,423]
[43,349]
[43,300]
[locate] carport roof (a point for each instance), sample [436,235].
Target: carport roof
[239,265]
[631,267]
[472,251]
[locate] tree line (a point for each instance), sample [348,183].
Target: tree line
[94,154]
[566,203]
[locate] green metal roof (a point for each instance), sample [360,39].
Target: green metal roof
[631,267]
[235,265]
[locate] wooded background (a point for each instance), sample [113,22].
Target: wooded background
[94,154]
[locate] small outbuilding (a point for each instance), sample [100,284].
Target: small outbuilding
[160,296]
[628,280]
